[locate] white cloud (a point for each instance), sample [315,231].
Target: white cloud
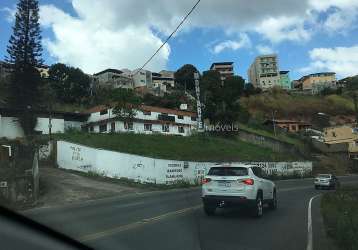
[93,45]
[283,28]
[242,42]
[342,60]
[124,33]
[9,13]
[264,50]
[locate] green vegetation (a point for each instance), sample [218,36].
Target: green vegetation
[340,214]
[24,55]
[289,105]
[195,148]
[283,137]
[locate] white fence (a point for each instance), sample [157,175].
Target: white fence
[150,170]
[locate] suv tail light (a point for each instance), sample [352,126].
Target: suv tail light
[248,182]
[205,180]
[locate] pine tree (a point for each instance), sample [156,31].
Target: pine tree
[24,55]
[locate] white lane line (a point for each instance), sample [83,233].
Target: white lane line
[309,228]
[119,229]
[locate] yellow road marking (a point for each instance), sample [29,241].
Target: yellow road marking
[133,225]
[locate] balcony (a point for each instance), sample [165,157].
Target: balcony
[166,118]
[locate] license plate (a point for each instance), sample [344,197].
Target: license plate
[224,184]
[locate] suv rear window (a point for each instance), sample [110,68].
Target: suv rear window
[324,176]
[228,171]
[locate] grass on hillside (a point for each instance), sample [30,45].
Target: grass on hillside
[280,136]
[290,105]
[340,214]
[194,148]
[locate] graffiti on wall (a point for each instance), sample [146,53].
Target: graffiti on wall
[76,153]
[174,172]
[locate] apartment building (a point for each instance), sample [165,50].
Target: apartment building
[113,78]
[264,72]
[148,120]
[226,69]
[318,81]
[285,81]
[142,78]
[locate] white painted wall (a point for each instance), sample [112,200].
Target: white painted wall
[10,128]
[138,128]
[96,116]
[73,125]
[149,170]
[58,125]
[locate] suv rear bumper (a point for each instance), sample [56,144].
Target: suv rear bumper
[228,200]
[324,184]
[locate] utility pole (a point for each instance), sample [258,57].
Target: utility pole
[198,103]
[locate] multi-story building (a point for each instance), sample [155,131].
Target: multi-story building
[162,82]
[318,81]
[168,77]
[285,81]
[113,78]
[226,69]
[147,120]
[264,72]
[142,78]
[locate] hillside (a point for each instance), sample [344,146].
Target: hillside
[194,148]
[296,106]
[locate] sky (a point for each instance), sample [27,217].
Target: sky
[307,35]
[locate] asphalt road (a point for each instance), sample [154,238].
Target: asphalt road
[175,220]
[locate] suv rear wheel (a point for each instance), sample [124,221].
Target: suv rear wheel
[258,208]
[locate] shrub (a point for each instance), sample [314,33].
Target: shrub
[340,214]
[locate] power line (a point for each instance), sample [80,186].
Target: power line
[168,38]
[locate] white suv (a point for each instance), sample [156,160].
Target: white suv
[226,185]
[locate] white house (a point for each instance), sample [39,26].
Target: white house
[60,122]
[148,120]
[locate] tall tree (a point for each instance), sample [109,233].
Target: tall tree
[70,84]
[125,103]
[221,101]
[24,55]
[184,77]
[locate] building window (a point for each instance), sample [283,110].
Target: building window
[181,129]
[113,126]
[103,128]
[142,80]
[128,125]
[165,127]
[180,117]
[91,129]
[193,118]
[147,127]
[147,113]
[103,112]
